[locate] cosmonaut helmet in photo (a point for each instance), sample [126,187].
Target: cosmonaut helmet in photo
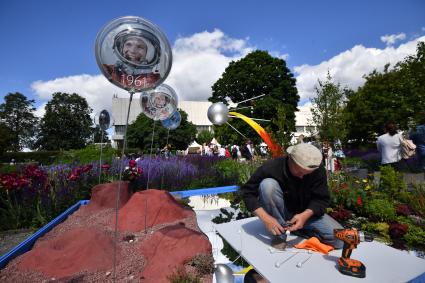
[152,43]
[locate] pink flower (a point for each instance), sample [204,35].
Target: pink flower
[132,163]
[359,201]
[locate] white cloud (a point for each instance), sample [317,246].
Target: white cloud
[349,67]
[423,28]
[390,39]
[198,62]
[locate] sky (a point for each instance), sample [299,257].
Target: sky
[48,46]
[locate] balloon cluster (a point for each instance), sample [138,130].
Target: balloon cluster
[135,55]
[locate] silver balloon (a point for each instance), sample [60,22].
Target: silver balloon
[173,121]
[160,103]
[103,120]
[218,113]
[223,274]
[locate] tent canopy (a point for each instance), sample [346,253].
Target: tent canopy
[215,142]
[194,144]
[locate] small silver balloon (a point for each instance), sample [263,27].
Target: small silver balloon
[223,274]
[103,120]
[217,113]
[173,122]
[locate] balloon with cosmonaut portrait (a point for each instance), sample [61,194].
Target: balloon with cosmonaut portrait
[133,54]
[173,121]
[159,103]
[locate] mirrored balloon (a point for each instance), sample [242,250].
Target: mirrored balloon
[133,53]
[103,120]
[160,103]
[223,274]
[218,113]
[173,121]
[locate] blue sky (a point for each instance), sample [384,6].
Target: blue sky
[48,45]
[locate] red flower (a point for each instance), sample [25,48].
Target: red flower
[132,163]
[105,167]
[397,230]
[359,201]
[403,209]
[139,170]
[86,168]
[73,177]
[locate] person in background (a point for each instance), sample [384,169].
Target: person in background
[389,145]
[418,138]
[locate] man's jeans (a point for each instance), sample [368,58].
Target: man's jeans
[271,199]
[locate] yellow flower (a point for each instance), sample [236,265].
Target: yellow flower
[364,180]
[367,188]
[357,181]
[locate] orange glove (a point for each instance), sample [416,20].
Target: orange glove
[315,245]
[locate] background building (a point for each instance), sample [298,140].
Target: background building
[197,114]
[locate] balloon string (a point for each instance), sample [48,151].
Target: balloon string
[163,170]
[236,130]
[100,158]
[118,192]
[150,155]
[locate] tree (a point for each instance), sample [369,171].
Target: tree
[17,113]
[139,133]
[204,136]
[5,138]
[327,110]
[255,74]
[97,135]
[396,95]
[66,123]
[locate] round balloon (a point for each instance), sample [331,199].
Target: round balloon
[160,103]
[218,113]
[103,119]
[133,54]
[173,121]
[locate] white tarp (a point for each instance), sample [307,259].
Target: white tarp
[194,144]
[215,142]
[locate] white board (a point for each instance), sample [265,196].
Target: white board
[383,263]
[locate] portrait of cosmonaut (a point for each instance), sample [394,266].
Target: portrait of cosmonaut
[138,53]
[133,54]
[158,105]
[104,120]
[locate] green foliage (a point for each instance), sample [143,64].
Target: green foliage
[255,74]
[100,136]
[234,169]
[204,136]
[391,182]
[328,110]
[416,198]
[282,135]
[66,123]
[42,157]
[382,209]
[86,155]
[139,133]
[6,138]
[17,113]
[415,236]
[380,229]
[180,275]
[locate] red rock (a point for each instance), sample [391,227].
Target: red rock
[104,196]
[76,250]
[170,247]
[161,208]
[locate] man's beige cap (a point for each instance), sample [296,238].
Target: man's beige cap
[305,155]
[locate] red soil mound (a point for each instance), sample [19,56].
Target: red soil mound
[104,196]
[170,247]
[161,208]
[77,250]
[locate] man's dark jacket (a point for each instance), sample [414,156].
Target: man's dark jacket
[299,194]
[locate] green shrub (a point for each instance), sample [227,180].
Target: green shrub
[391,182]
[180,275]
[380,208]
[86,155]
[42,157]
[379,229]
[415,236]
[417,198]
[204,264]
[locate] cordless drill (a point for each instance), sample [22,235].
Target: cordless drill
[351,238]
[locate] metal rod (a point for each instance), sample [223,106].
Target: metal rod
[150,154]
[119,191]
[233,109]
[100,158]
[236,130]
[249,99]
[257,119]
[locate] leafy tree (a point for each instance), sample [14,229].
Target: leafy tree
[282,135]
[66,123]
[255,74]
[139,133]
[97,135]
[327,110]
[396,95]
[204,136]
[17,113]
[5,138]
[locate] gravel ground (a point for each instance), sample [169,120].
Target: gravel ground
[128,269]
[10,239]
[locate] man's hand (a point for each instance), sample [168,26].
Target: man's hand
[300,219]
[270,222]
